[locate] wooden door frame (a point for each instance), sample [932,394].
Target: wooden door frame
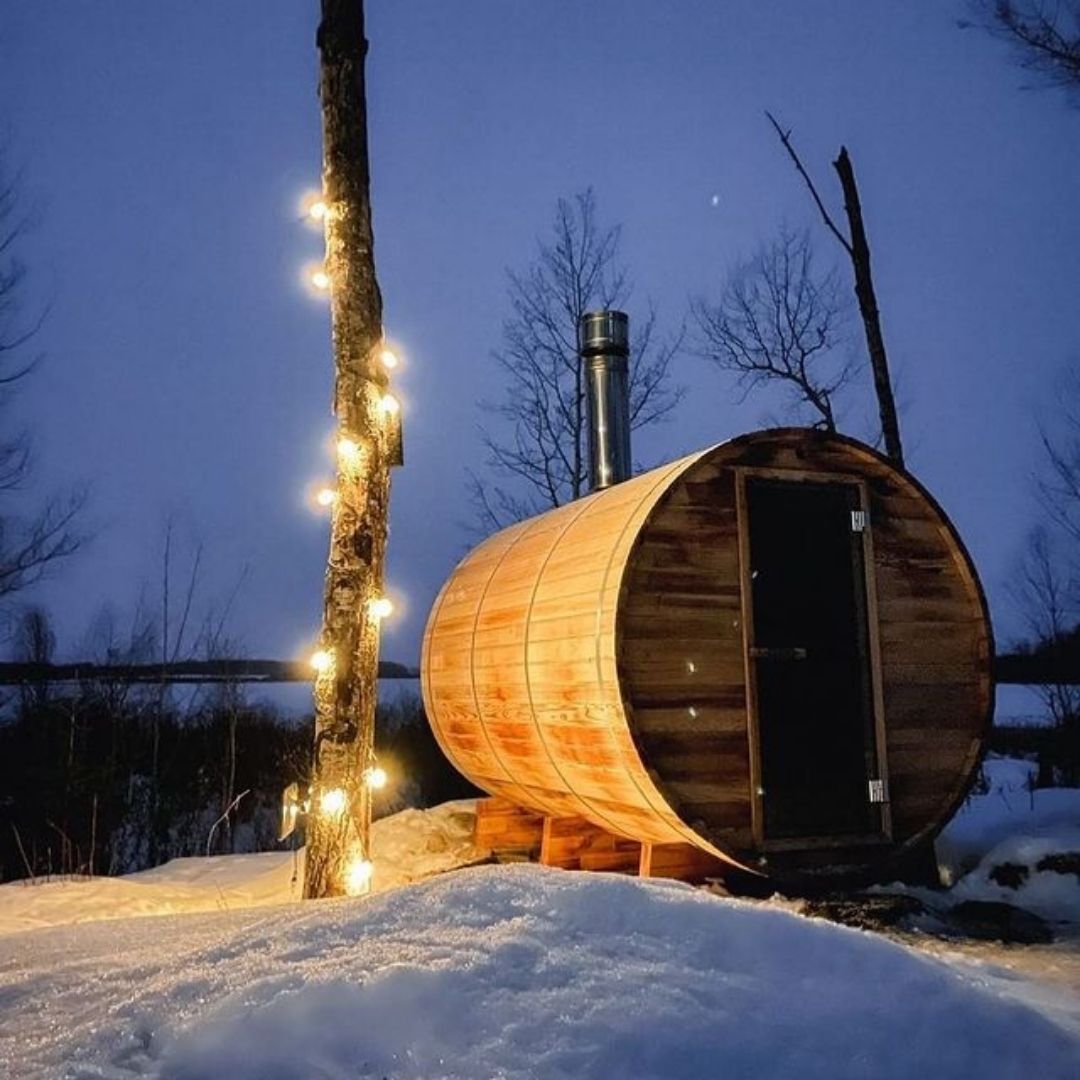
[877,697]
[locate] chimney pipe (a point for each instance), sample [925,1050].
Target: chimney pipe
[604,346]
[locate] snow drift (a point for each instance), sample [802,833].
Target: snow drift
[507,972]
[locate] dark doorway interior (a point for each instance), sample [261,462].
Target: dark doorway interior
[810,649]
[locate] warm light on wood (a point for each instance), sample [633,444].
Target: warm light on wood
[555,671]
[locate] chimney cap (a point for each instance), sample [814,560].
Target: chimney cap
[604,332]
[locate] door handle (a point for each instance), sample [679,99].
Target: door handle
[759,653]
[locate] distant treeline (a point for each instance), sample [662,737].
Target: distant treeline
[109,778]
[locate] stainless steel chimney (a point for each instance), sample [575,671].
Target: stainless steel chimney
[604,345]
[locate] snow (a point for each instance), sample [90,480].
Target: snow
[507,972]
[1008,809]
[1015,826]
[409,845]
[516,971]
[1050,893]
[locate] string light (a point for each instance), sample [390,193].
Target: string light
[381,607]
[320,279]
[322,660]
[315,207]
[376,778]
[390,405]
[389,359]
[325,496]
[349,453]
[358,876]
[333,801]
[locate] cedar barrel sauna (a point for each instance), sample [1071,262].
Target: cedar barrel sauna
[775,651]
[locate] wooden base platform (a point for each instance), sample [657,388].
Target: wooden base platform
[514,833]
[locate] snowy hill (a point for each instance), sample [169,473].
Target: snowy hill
[511,972]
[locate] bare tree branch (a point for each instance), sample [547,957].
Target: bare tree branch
[779,321]
[30,543]
[1045,36]
[826,217]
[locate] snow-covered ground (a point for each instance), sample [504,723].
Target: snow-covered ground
[1011,825]
[409,845]
[512,971]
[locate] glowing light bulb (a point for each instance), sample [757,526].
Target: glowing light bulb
[390,404]
[389,359]
[319,210]
[322,660]
[320,279]
[325,496]
[382,607]
[349,452]
[358,876]
[376,778]
[332,801]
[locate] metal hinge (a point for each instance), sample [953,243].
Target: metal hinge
[877,790]
[858,520]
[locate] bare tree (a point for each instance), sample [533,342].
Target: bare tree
[537,455]
[1045,592]
[29,543]
[1045,36]
[35,643]
[780,320]
[1059,483]
[857,248]
[1045,587]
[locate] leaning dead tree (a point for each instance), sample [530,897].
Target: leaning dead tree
[858,251]
[339,822]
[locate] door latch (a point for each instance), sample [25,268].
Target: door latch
[877,790]
[858,521]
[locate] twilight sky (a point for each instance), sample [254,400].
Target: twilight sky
[165,148]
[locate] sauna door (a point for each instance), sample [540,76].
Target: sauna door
[809,647]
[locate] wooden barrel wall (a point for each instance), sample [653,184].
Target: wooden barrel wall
[593,660]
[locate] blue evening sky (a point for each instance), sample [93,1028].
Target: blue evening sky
[164,148]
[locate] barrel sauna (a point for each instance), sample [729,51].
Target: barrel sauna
[776,650]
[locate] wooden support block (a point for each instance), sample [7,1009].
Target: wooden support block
[624,858]
[572,843]
[506,828]
[683,862]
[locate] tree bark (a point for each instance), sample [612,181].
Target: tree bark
[859,251]
[345,692]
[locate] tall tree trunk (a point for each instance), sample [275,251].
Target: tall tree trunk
[338,841]
[868,309]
